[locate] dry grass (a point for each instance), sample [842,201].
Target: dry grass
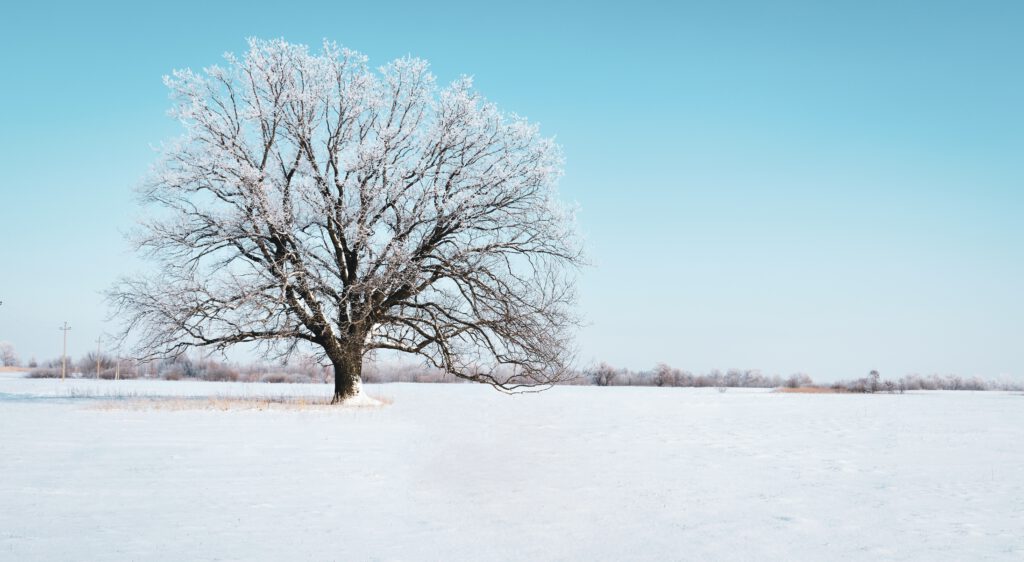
[14,369]
[811,390]
[233,403]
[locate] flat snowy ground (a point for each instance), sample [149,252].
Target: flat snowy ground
[461,472]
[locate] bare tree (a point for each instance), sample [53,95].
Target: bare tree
[603,375]
[664,375]
[314,201]
[797,380]
[8,357]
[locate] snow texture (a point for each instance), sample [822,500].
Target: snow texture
[461,472]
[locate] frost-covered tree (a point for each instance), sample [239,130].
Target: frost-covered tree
[8,357]
[312,200]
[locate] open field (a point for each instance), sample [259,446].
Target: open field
[460,472]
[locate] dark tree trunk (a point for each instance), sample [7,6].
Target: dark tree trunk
[348,374]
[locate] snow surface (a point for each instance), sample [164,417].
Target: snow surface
[461,472]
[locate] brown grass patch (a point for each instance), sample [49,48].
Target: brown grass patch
[811,390]
[14,369]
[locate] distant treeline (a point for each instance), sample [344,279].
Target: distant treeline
[874,383]
[664,375]
[307,370]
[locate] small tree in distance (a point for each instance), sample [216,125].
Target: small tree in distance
[873,381]
[8,357]
[603,375]
[314,202]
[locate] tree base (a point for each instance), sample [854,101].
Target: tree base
[358,400]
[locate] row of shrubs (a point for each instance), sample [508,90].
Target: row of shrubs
[874,383]
[185,368]
[665,375]
[307,370]
[180,368]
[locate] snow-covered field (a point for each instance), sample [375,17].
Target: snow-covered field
[461,472]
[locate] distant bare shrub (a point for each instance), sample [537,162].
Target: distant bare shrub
[124,372]
[87,364]
[218,372]
[52,369]
[798,380]
[283,378]
[44,373]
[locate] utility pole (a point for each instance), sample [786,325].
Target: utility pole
[98,340]
[64,354]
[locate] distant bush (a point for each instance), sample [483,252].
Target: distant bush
[111,373]
[44,373]
[51,370]
[219,373]
[87,365]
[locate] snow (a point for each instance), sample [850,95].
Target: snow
[461,472]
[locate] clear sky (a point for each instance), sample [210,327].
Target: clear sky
[826,187]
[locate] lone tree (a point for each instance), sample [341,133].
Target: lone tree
[8,357]
[313,201]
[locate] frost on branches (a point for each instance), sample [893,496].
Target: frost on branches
[313,201]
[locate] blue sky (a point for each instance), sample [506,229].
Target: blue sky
[826,187]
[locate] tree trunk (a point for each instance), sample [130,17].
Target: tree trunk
[348,375]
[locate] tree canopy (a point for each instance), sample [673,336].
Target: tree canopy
[314,201]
